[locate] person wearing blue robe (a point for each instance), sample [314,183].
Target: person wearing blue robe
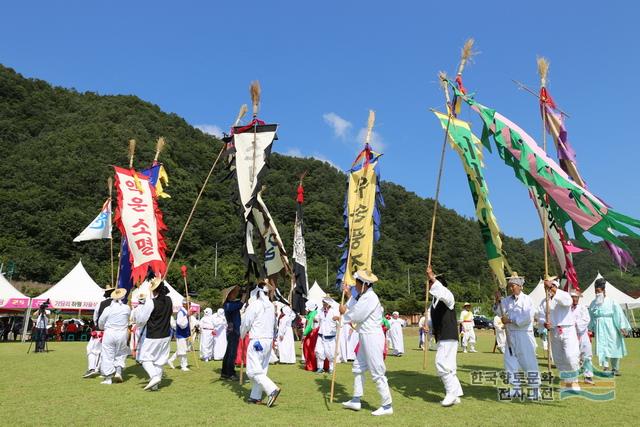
[609,325]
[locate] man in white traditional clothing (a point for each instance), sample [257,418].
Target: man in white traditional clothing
[516,312]
[206,335]
[155,315]
[219,334]
[365,311]
[445,330]
[258,321]
[286,345]
[137,326]
[582,320]
[183,332]
[327,318]
[94,346]
[468,334]
[395,333]
[561,326]
[501,336]
[114,320]
[421,332]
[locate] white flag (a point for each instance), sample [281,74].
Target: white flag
[100,228]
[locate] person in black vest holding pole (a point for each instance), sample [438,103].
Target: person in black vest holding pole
[445,330]
[155,319]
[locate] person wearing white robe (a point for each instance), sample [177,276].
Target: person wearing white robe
[468,333]
[327,318]
[155,315]
[395,333]
[582,320]
[501,337]
[137,325]
[286,344]
[564,338]
[114,320]
[517,312]
[258,321]
[206,335]
[421,328]
[348,342]
[94,346]
[220,335]
[183,332]
[365,311]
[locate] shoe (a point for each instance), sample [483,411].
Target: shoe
[354,406]
[272,397]
[588,380]
[89,373]
[185,369]
[153,382]
[616,373]
[170,363]
[382,411]
[117,377]
[473,350]
[254,401]
[107,381]
[450,401]
[330,371]
[464,351]
[319,371]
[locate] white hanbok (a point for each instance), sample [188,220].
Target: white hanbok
[114,321]
[206,335]
[154,352]
[501,335]
[286,344]
[395,335]
[220,337]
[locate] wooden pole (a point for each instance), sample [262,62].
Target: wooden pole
[370,123]
[543,68]
[186,294]
[433,217]
[110,185]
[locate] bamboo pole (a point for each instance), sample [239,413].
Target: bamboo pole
[370,123]
[543,69]
[132,152]
[186,294]
[110,185]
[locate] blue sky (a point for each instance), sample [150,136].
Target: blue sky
[322,65]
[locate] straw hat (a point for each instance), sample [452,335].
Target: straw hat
[155,283]
[108,289]
[366,276]
[575,293]
[515,279]
[226,292]
[552,279]
[118,293]
[466,304]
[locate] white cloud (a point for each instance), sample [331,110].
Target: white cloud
[339,125]
[376,140]
[296,152]
[210,130]
[322,158]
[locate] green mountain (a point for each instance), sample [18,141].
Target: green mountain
[56,148]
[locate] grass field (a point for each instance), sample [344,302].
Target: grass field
[41,389]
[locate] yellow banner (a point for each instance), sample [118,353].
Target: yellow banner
[361,203]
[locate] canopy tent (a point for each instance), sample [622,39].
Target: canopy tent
[10,297]
[537,295]
[175,296]
[316,294]
[612,292]
[76,291]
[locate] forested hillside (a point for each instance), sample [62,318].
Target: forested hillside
[56,148]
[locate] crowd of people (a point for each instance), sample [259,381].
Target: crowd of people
[254,329]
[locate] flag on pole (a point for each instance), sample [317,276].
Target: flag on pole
[361,215]
[100,227]
[299,257]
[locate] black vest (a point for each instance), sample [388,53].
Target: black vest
[104,304]
[445,322]
[159,323]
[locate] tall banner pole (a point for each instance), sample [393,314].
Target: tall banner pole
[183,269]
[110,185]
[370,122]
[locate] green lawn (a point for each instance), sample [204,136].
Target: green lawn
[48,389]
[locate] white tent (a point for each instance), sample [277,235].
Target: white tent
[10,297]
[537,295]
[316,294]
[625,301]
[176,298]
[76,291]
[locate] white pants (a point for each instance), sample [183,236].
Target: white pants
[181,352]
[152,369]
[586,354]
[522,357]
[446,367]
[257,368]
[469,336]
[206,344]
[154,353]
[370,358]
[325,349]
[114,351]
[501,339]
[566,352]
[94,347]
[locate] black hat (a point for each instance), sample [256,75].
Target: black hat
[600,283]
